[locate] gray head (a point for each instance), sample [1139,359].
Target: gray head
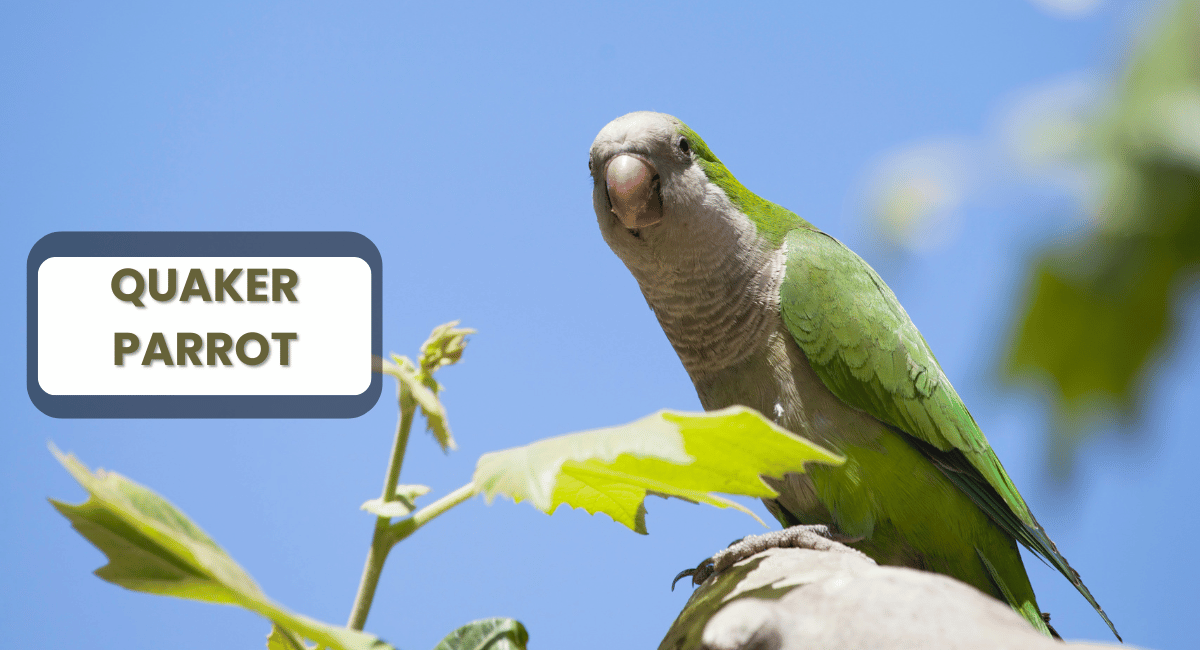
[653,199]
[686,230]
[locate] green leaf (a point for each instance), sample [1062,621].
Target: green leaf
[281,639]
[154,548]
[487,634]
[669,453]
[403,370]
[412,384]
[404,503]
[444,347]
[409,493]
[1100,309]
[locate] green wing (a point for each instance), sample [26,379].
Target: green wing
[867,351]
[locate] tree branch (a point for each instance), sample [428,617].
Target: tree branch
[788,599]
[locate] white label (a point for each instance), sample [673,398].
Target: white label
[79,317]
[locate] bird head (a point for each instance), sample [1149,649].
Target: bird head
[661,196]
[653,197]
[644,171]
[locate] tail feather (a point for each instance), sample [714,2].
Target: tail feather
[967,478]
[1036,540]
[1026,609]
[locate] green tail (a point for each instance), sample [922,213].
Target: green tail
[1026,608]
[960,471]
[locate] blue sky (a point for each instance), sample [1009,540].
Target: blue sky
[455,138]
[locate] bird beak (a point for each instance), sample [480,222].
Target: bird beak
[633,191]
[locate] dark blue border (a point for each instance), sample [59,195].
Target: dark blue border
[202,244]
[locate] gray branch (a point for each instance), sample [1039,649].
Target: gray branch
[789,598]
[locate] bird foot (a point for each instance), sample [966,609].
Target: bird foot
[815,537]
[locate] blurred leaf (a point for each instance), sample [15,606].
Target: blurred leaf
[1100,309]
[404,503]
[1093,331]
[915,192]
[487,634]
[154,548]
[685,455]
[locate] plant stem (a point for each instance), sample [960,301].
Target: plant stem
[381,540]
[376,555]
[408,409]
[405,527]
[388,535]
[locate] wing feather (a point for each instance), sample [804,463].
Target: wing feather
[866,350]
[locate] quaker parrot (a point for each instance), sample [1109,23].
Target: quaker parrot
[767,311]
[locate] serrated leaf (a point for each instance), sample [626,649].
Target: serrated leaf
[487,634]
[669,453]
[435,423]
[281,639]
[154,548]
[404,502]
[431,406]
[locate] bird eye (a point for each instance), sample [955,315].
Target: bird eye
[684,146]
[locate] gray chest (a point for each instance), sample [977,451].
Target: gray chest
[719,313]
[778,381]
[734,345]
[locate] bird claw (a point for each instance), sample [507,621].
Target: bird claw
[698,574]
[703,571]
[815,537]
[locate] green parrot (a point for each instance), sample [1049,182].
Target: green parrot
[767,311]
